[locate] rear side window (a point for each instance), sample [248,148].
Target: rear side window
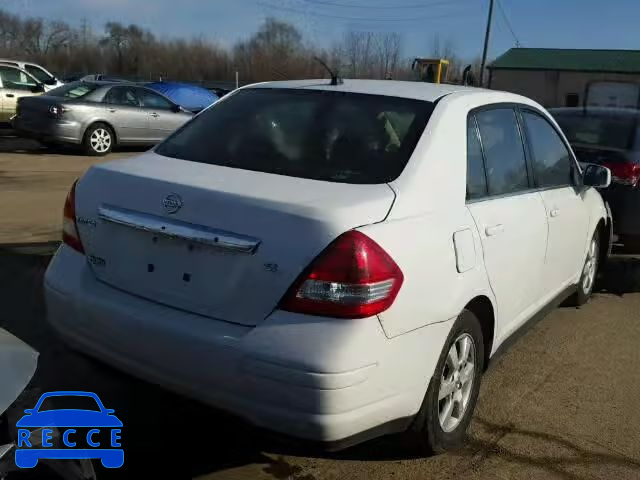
[503,151]
[551,158]
[316,134]
[476,179]
[153,100]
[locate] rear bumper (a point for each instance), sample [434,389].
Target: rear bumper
[319,379]
[49,129]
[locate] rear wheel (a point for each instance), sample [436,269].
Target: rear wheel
[448,406]
[98,140]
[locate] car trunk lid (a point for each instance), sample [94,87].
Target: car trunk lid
[221,242]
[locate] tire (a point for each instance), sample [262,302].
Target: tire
[98,140]
[589,273]
[438,435]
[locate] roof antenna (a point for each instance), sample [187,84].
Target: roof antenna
[335,79]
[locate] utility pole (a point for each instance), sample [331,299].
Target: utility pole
[486,43]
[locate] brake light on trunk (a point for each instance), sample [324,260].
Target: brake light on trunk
[352,278]
[70,234]
[624,173]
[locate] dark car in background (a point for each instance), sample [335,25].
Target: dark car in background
[610,137]
[99,115]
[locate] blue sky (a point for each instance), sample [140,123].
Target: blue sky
[536,23]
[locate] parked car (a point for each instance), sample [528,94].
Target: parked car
[610,137]
[191,97]
[39,72]
[15,84]
[331,262]
[100,115]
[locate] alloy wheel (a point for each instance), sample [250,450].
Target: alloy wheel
[100,140]
[456,383]
[590,267]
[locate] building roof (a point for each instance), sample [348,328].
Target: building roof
[394,88]
[613,61]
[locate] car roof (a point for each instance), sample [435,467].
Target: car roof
[596,111]
[10,65]
[429,92]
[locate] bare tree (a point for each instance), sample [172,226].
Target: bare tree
[388,48]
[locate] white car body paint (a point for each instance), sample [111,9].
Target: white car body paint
[224,341]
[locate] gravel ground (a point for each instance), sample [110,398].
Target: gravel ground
[34,182]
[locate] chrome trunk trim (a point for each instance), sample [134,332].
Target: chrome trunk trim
[179,230]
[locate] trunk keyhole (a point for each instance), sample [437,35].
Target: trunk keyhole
[150,268]
[186,277]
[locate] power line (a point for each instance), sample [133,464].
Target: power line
[377,7]
[506,20]
[360,19]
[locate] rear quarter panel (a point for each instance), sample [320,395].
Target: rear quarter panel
[433,291]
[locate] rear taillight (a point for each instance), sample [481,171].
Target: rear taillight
[69,226]
[352,278]
[57,111]
[624,173]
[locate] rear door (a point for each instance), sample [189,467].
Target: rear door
[508,212]
[15,84]
[124,112]
[163,119]
[556,175]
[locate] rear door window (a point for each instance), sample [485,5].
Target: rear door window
[317,134]
[503,151]
[124,96]
[552,161]
[15,79]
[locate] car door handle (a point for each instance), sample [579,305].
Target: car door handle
[554,213]
[10,95]
[154,114]
[494,230]
[113,110]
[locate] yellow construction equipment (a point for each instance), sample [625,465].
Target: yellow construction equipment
[432,70]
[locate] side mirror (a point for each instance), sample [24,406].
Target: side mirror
[176,109]
[39,88]
[28,411]
[51,81]
[596,176]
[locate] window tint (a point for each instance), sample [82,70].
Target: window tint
[597,130]
[125,96]
[15,79]
[476,179]
[551,158]
[503,150]
[323,135]
[39,73]
[153,100]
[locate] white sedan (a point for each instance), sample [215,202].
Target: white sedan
[332,262]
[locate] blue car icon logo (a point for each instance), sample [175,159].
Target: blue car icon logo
[77,433]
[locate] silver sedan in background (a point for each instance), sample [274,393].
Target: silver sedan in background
[99,115]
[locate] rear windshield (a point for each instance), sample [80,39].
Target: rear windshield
[598,130]
[73,90]
[316,134]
